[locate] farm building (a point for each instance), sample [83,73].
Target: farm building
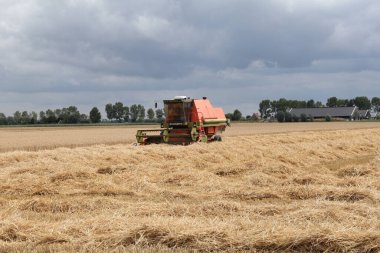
[335,112]
[374,115]
[364,114]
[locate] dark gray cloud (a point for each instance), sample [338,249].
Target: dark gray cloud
[90,52]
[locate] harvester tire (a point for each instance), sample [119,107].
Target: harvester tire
[194,134]
[217,138]
[165,135]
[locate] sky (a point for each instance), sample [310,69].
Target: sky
[88,53]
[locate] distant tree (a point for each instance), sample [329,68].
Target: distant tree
[60,114]
[282,104]
[42,119]
[236,115]
[3,119]
[342,102]
[328,118]
[351,102]
[126,113]
[363,103]
[150,114]
[25,118]
[310,103]
[375,102]
[17,117]
[159,114]
[11,120]
[288,117]
[134,111]
[263,106]
[83,118]
[280,116]
[318,104]
[95,115]
[110,111]
[137,112]
[255,117]
[303,117]
[118,111]
[73,116]
[141,112]
[50,117]
[332,102]
[33,118]
[229,116]
[295,118]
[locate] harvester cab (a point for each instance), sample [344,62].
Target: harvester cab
[187,121]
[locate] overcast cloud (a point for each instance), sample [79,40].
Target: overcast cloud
[90,52]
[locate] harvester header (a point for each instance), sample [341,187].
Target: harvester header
[187,121]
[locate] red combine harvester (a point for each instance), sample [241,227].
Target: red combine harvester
[187,121]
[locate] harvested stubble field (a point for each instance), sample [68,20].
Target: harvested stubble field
[277,188]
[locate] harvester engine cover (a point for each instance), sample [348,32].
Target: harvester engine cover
[186,121]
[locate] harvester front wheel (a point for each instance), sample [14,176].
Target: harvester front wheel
[194,134]
[165,135]
[217,138]
[139,137]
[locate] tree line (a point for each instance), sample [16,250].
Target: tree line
[118,112]
[71,115]
[133,113]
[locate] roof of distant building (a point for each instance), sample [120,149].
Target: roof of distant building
[324,111]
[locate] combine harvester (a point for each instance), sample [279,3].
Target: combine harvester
[187,121]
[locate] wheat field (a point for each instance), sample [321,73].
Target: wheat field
[265,188]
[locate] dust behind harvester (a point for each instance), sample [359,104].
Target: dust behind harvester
[187,121]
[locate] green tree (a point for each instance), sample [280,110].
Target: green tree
[33,118]
[42,117]
[236,115]
[310,103]
[332,102]
[134,111]
[141,114]
[159,113]
[375,102]
[95,115]
[229,116]
[303,117]
[288,117]
[118,110]
[110,111]
[263,106]
[150,114]
[318,104]
[50,117]
[83,118]
[280,116]
[282,104]
[17,117]
[3,119]
[60,115]
[11,120]
[126,113]
[25,119]
[363,103]
[74,114]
